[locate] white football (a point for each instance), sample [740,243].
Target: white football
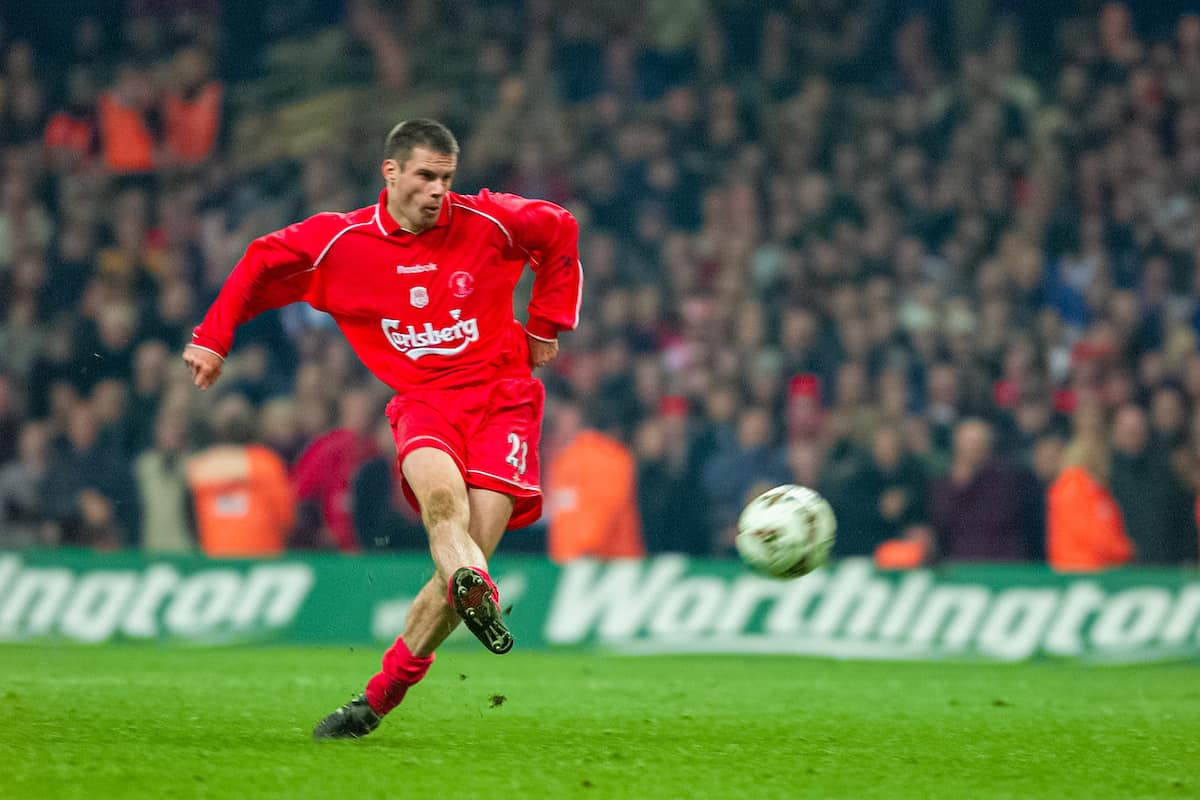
[786,532]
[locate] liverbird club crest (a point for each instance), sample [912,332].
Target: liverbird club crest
[418,296]
[462,284]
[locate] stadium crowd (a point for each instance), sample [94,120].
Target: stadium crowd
[940,260]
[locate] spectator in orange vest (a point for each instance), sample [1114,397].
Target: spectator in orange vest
[240,491]
[70,136]
[192,109]
[591,482]
[127,137]
[1084,528]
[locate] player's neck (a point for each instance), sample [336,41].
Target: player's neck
[403,221]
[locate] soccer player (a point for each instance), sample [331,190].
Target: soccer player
[421,284]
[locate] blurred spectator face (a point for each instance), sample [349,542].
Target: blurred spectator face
[1188,32]
[943,386]
[76,243]
[566,422]
[917,438]
[1114,28]
[1129,434]
[887,447]
[754,428]
[358,411]
[805,414]
[1088,420]
[647,302]
[18,64]
[1033,416]
[1191,377]
[615,310]
[34,444]
[26,104]
[972,444]
[892,394]
[1073,85]
[1168,411]
[278,423]
[650,440]
[192,68]
[88,37]
[1019,359]
[1119,387]
[806,460]
[1047,457]
[851,384]
[177,399]
[233,420]
[1152,369]
[116,325]
[108,401]
[28,273]
[855,335]
[310,383]
[720,404]
[798,329]
[384,437]
[599,254]
[648,380]
[149,364]
[763,379]
[750,328]
[252,363]
[170,433]
[134,87]
[64,397]
[175,301]
[319,178]
[82,428]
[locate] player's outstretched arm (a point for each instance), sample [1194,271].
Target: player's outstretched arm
[276,269]
[204,364]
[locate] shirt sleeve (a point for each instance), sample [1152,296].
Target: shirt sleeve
[276,270]
[548,235]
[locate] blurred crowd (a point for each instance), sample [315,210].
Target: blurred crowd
[940,260]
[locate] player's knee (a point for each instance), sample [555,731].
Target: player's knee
[442,505]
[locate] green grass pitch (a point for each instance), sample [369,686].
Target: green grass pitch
[133,721]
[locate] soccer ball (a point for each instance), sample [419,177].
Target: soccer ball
[786,532]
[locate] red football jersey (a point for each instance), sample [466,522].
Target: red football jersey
[431,310]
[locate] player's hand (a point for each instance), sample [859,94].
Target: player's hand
[205,365]
[541,352]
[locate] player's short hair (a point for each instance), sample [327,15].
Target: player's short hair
[421,132]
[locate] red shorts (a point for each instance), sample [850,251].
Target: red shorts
[491,431]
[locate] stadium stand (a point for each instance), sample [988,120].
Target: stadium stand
[903,252]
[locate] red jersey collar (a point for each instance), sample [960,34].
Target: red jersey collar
[388,226]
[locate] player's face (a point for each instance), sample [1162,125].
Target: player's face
[417,188]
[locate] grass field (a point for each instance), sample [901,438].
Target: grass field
[147,722]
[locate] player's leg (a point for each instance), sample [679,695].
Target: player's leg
[441,493]
[430,620]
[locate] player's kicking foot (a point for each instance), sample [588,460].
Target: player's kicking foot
[474,602]
[352,721]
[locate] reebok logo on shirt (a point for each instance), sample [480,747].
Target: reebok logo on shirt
[416,269]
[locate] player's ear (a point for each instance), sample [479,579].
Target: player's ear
[390,170]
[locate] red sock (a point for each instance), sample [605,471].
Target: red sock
[401,669]
[486,579]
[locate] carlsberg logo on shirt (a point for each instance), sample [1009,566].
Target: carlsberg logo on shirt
[416,343]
